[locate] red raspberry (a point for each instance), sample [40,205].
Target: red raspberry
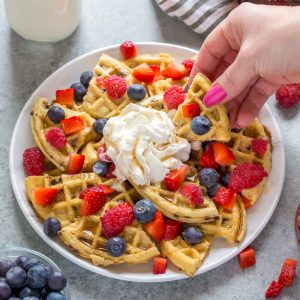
[116,219]
[115,86]
[34,161]
[274,290]
[193,193]
[173,229]
[128,49]
[288,95]
[174,96]
[259,146]
[246,176]
[56,138]
[188,64]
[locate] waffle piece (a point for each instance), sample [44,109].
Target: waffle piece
[161,59]
[85,236]
[231,225]
[160,86]
[40,124]
[186,257]
[91,155]
[217,115]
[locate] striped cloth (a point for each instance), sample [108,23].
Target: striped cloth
[200,15]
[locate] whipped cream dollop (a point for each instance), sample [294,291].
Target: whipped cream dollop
[143,145]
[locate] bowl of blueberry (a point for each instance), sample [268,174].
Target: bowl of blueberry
[30,275]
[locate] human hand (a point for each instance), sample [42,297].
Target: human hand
[248,56]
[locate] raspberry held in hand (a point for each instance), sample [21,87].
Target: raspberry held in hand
[33,161]
[188,64]
[174,96]
[56,138]
[288,95]
[115,86]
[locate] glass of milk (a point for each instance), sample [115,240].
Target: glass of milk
[43,20]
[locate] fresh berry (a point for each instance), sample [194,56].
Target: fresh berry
[157,227]
[225,197]
[115,86]
[174,96]
[157,72]
[86,77]
[259,146]
[72,125]
[212,190]
[225,178]
[76,162]
[79,91]
[192,235]
[57,281]
[208,177]
[186,88]
[175,178]
[116,246]
[246,258]
[172,71]
[37,277]
[56,138]
[144,211]
[52,226]
[55,114]
[101,168]
[116,219]
[173,229]
[99,125]
[30,263]
[246,176]
[33,161]
[136,92]
[193,193]
[274,290]
[143,73]
[5,265]
[223,155]
[101,190]
[20,260]
[28,293]
[45,196]
[128,49]
[15,277]
[247,203]
[207,158]
[65,97]
[200,125]
[56,296]
[110,171]
[93,200]
[288,272]
[5,290]
[288,95]
[102,155]
[190,110]
[188,64]
[159,265]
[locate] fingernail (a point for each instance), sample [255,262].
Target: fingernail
[214,96]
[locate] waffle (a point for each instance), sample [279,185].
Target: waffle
[186,257]
[162,60]
[217,115]
[40,124]
[160,86]
[85,236]
[90,153]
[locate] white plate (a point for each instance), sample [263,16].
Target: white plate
[258,216]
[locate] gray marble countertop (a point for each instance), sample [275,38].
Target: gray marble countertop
[24,65]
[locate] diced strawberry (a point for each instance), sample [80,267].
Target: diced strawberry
[188,64]
[76,162]
[175,178]
[259,146]
[190,110]
[223,155]
[207,159]
[193,193]
[72,125]
[288,272]
[247,202]
[157,72]
[174,96]
[225,197]
[157,227]
[109,173]
[172,71]
[100,189]
[173,229]
[65,97]
[247,258]
[103,156]
[45,196]
[91,203]
[33,161]
[143,73]
[159,265]
[274,290]
[128,49]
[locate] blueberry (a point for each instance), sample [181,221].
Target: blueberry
[225,178]
[49,270]
[116,246]
[57,281]
[5,265]
[28,292]
[56,114]
[101,168]
[136,92]
[30,263]
[192,235]
[52,226]
[144,211]
[56,296]
[186,88]
[5,290]
[208,177]
[200,125]
[98,126]
[37,277]
[212,190]
[16,277]
[20,261]
[44,292]
[86,77]
[79,91]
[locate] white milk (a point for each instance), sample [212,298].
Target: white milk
[43,20]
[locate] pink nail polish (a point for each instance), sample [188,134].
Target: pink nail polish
[214,96]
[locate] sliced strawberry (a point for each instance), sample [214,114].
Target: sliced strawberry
[190,110]
[173,229]
[225,197]
[72,125]
[103,156]
[45,196]
[76,162]
[247,258]
[223,155]
[159,265]
[247,202]
[109,173]
[171,71]
[128,49]
[207,159]
[143,73]
[92,202]
[274,290]
[157,72]
[101,189]
[175,178]
[193,193]
[157,227]
[65,97]
[288,272]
